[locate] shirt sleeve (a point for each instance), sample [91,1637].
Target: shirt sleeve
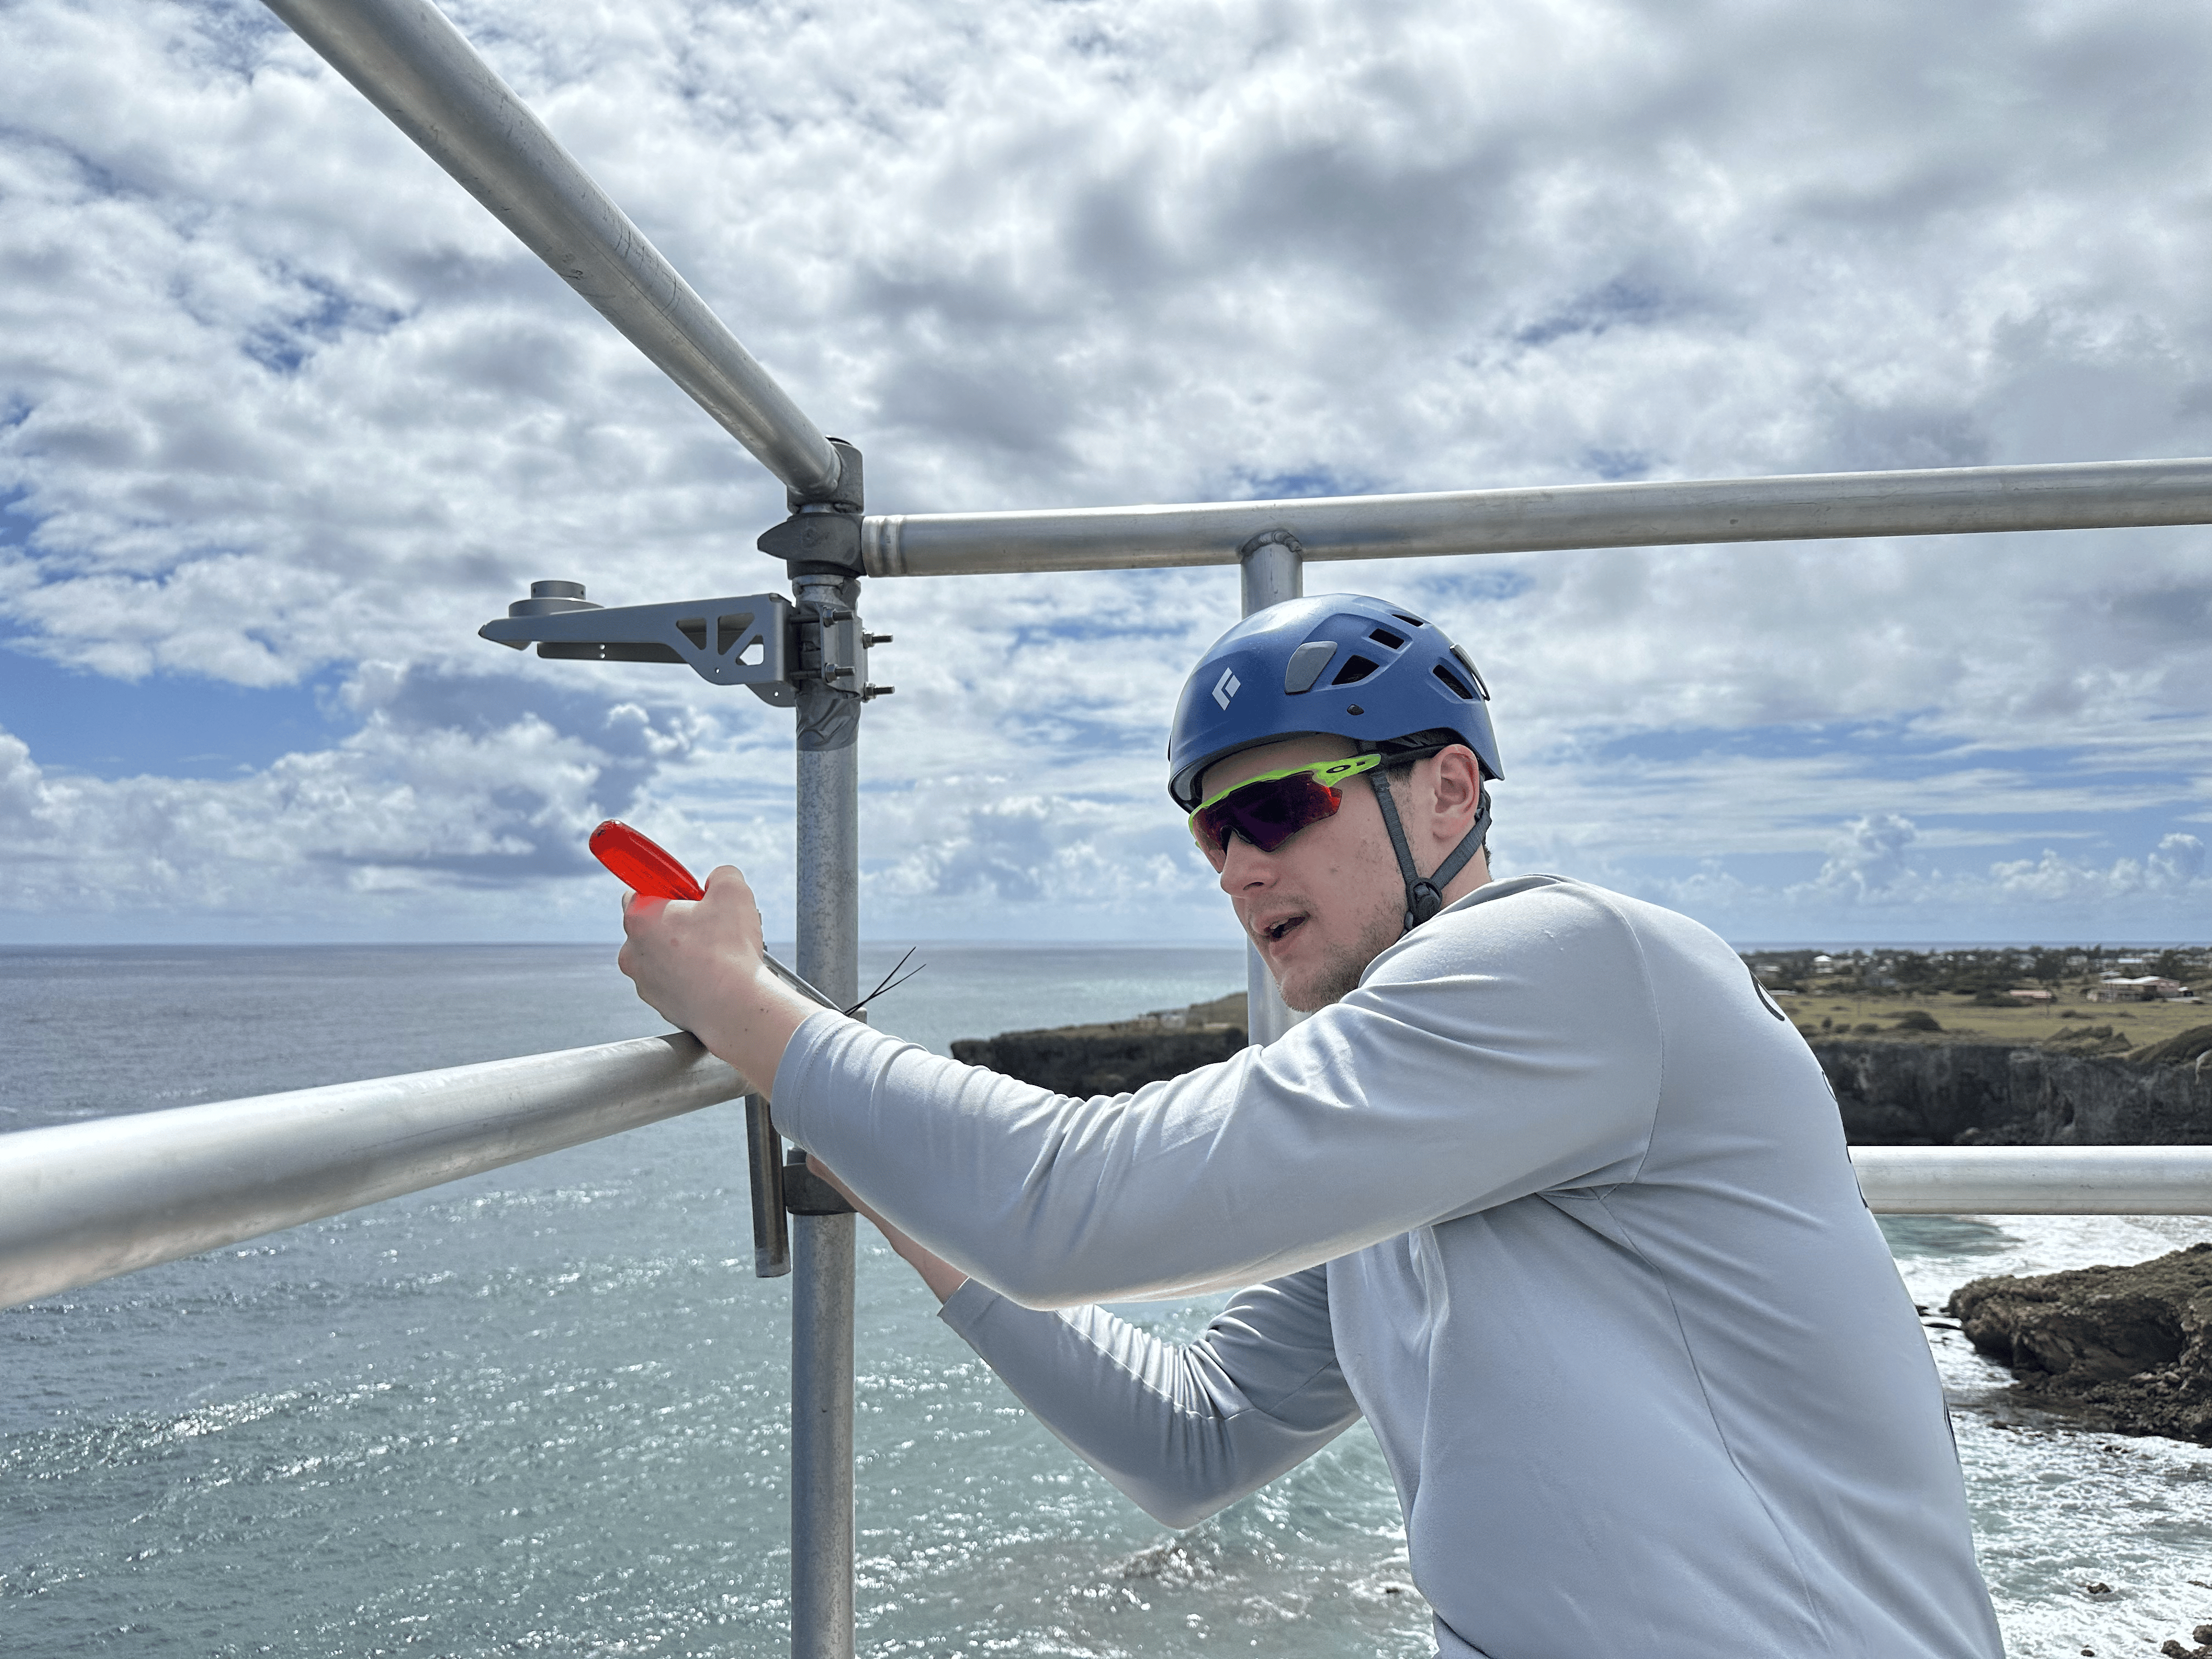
[1182,1430]
[1474,1066]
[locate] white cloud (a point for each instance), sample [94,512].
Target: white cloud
[1871,859]
[280,399]
[2179,861]
[2171,871]
[409,807]
[1883,880]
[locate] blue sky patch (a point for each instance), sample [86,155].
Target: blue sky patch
[1079,732]
[1887,749]
[1302,484]
[325,313]
[1619,302]
[1617,465]
[170,726]
[1486,581]
[17,523]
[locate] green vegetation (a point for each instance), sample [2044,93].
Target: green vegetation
[1969,996]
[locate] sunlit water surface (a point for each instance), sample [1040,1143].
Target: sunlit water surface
[542,1411]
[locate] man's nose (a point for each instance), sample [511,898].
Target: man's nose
[1244,867]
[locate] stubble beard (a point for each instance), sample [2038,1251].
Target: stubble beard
[1340,971]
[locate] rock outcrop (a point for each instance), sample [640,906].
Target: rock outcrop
[1891,1093]
[1924,1093]
[2133,1345]
[1115,1058]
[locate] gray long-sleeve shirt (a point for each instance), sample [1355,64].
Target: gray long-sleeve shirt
[1558,1200]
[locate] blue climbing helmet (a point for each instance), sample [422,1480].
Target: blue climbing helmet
[1344,665]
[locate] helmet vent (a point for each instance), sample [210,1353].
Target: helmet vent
[1472,673]
[1355,670]
[1305,666]
[1384,636]
[1458,687]
[1410,622]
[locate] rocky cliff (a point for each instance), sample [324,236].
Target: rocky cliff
[1922,1093]
[1896,1092]
[1115,1058]
[2133,1345]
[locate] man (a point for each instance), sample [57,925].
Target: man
[1545,1188]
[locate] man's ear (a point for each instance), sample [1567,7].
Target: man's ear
[1457,792]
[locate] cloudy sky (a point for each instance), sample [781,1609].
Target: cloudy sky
[287,416]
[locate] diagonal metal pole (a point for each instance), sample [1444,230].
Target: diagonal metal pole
[420,70]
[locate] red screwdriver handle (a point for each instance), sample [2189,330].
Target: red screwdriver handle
[646,870]
[642,864]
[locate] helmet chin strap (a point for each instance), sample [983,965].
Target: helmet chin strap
[1425,895]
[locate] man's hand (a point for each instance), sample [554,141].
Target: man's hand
[940,1275]
[701,965]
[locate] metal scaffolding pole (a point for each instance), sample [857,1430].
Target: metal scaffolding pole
[1270,571]
[420,70]
[2035,1180]
[90,1200]
[822,1245]
[86,1201]
[2103,495]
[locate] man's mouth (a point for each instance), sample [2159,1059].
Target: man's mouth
[1276,931]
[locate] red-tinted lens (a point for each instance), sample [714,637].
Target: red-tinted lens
[643,866]
[1266,813]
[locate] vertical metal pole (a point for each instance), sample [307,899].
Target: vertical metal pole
[1272,569]
[822,1245]
[764,1176]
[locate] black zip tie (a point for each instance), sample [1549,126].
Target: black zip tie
[890,981]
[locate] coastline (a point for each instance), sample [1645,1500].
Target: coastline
[1905,1087]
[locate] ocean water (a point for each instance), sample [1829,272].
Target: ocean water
[542,1411]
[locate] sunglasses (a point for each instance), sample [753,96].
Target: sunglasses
[1268,810]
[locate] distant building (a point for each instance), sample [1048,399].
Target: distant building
[2141,988]
[2030,996]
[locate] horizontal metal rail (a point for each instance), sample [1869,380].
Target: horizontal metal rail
[419,69]
[80,1202]
[2036,1180]
[2092,495]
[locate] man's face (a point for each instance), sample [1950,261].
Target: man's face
[1326,903]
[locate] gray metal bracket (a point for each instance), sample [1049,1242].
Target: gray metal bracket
[821,536]
[831,644]
[741,640]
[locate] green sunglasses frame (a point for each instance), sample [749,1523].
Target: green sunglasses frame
[1330,775]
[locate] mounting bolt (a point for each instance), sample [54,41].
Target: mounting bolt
[869,693]
[549,599]
[874,639]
